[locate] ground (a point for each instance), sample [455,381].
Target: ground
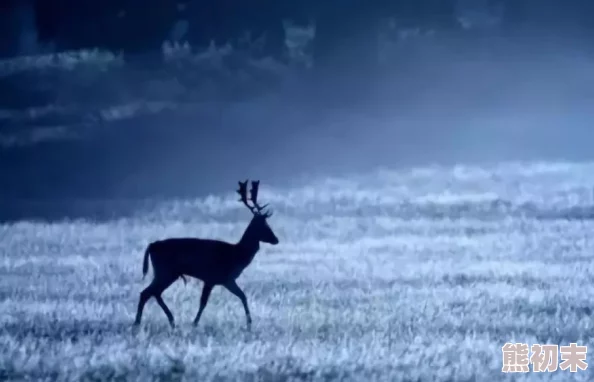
[408,275]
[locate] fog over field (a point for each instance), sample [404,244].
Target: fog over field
[410,275]
[432,189]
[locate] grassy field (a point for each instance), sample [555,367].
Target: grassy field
[417,275]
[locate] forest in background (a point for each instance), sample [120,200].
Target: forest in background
[139,27]
[119,100]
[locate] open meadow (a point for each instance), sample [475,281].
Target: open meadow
[407,275]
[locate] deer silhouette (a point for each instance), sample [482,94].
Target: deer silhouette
[214,262]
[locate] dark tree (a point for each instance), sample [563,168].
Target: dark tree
[549,21]
[228,21]
[8,29]
[136,27]
[434,14]
[346,34]
[144,26]
[264,19]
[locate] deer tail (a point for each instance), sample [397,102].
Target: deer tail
[145,263]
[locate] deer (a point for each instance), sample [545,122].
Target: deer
[214,262]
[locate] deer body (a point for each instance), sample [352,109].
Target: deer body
[212,261]
[215,262]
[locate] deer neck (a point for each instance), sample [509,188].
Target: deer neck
[249,244]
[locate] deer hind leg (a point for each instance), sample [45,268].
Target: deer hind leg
[236,290]
[155,289]
[144,297]
[159,289]
[206,289]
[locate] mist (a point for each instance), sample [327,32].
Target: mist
[425,168]
[91,126]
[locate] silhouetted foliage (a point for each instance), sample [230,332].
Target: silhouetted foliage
[138,28]
[121,155]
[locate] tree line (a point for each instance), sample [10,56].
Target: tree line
[139,27]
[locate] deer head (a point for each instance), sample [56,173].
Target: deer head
[258,226]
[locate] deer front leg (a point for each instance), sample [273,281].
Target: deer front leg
[206,289]
[236,290]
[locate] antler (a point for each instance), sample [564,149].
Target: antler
[243,195]
[254,196]
[256,208]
